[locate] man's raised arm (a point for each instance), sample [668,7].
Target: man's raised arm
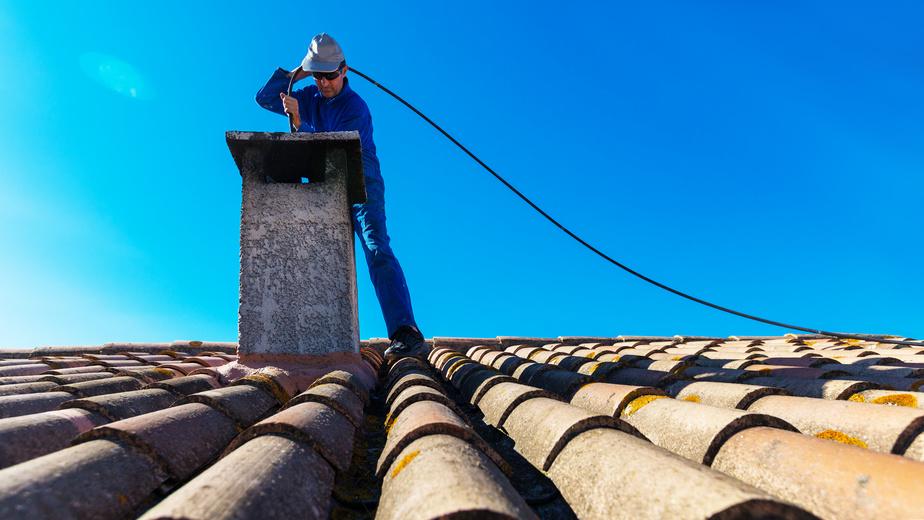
[268,96]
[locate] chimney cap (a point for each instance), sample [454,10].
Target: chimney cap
[289,157]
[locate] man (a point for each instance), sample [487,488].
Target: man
[330,105]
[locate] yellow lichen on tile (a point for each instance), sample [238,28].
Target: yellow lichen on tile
[405,460]
[834,435]
[272,385]
[593,368]
[676,358]
[693,398]
[389,422]
[857,398]
[165,371]
[640,402]
[897,400]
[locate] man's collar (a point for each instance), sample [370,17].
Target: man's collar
[345,90]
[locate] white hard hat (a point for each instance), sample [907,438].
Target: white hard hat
[324,54]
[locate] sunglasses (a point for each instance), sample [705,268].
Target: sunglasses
[329,76]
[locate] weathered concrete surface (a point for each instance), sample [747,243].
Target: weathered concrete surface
[298,275]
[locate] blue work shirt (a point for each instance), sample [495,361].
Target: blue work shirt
[344,112]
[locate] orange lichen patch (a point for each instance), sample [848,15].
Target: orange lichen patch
[389,422]
[165,371]
[834,435]
[693,398]
[640,402]
[897,400]
[405,460]
[893,399]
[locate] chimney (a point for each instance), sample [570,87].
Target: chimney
[298,274]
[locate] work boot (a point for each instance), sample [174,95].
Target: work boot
[406,342]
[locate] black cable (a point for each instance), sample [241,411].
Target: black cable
[613,261]
[292,74]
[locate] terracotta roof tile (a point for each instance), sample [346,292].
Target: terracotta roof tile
[640,377]
[313,424]
[541,427]
[207,361]
[887,429]
[598,370]
[13,380]
[407,380]
[694,431]
[183,367]
[428,418]
[15,362]
[122,405]
[508,364]
[29,436]
[101,386]
[65,379]
[16,405]
[478,382]
[820,388]
[645,474]
[146,374]
[186,385]
[829,479]
[348,380]
[718,375]
[76,370]
[415,394]
[571,362]
[66,362]
[442,476]
[179,439]
[267,477]
[610,399]
[27,388]
[895,383]
[336,396]
[99,479]
[498,402]
[561,382]
[243,404]
[29,369]
[722,395]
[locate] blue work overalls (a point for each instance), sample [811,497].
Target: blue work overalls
[343,112]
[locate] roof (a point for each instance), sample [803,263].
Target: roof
[626,427]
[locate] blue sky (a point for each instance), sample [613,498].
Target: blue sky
[767,157]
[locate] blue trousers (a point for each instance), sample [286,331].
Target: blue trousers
[384,269]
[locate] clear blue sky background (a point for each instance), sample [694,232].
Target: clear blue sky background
[766,157]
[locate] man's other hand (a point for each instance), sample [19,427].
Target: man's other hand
[290,104]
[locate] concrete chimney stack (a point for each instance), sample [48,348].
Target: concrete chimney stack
[298,273]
